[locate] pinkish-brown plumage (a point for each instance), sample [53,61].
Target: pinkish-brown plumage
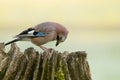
[43,33]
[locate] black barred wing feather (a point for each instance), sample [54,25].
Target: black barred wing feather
[31,33]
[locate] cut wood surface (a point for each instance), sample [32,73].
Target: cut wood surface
[49,65]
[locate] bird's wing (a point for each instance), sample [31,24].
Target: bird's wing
[31,33]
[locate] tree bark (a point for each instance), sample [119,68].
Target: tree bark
[49,65]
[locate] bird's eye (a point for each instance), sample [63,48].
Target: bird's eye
[60,38]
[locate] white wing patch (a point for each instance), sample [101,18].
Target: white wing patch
[31,32]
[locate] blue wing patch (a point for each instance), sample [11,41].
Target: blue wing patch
[40,34]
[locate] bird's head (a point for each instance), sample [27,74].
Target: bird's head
[60,31]
[61,37]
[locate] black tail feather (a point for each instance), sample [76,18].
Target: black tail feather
[15,40]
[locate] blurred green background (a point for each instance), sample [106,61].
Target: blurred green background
[94,27]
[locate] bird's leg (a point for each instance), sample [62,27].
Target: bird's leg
[48,52]
[46,49]
[43,48]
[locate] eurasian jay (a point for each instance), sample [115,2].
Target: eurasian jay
[42,34]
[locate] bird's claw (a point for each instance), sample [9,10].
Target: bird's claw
[49,50]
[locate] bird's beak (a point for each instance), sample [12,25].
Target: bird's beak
[57,43]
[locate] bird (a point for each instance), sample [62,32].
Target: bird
[42,34]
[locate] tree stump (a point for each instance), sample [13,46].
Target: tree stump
[32,65]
